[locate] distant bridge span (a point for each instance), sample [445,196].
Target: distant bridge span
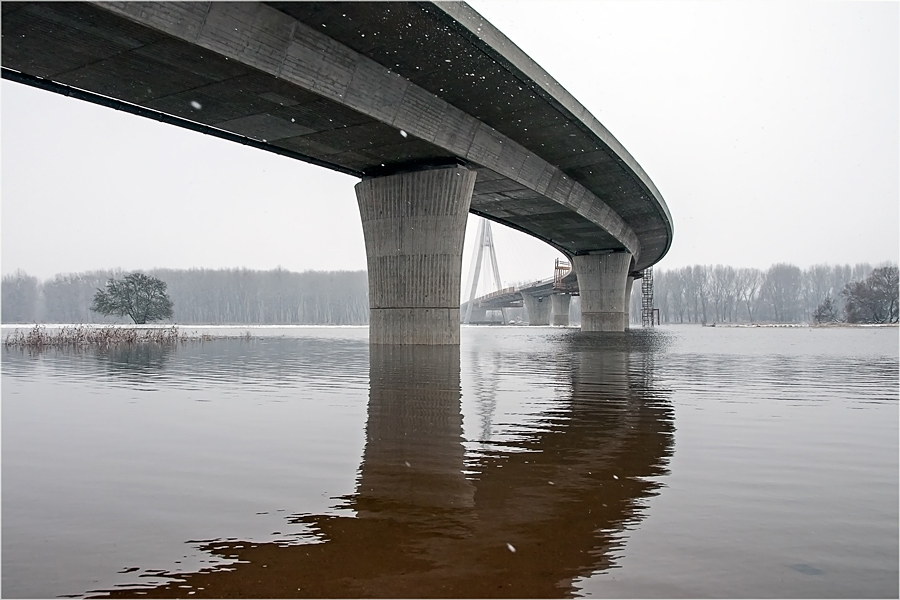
[546,301]
[431,106]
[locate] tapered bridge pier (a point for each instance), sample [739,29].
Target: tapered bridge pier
[414,225]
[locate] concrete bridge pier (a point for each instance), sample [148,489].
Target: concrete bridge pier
[537,309]
[559,313]
[629,284]
[479,315]
[602,279]
[414,224]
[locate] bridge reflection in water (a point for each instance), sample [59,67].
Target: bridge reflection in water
[522,520]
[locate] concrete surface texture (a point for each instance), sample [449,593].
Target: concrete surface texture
[601,282]
[414,226]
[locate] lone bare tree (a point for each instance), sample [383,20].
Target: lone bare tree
[142,298]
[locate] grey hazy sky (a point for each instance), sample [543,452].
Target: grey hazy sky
[771,129]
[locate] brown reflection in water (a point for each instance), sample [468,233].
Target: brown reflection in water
[525,526]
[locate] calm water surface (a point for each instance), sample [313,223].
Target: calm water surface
[528,462]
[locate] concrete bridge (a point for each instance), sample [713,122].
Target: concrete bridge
[545,301]
[433,108]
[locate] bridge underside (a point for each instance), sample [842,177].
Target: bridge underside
[368,89]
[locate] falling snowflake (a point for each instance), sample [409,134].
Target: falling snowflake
[196,105]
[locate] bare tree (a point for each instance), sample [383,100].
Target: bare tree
[875,299]
[826,312]
[722,289]
[748,283]
[139,296]
[782,289]
[19,298]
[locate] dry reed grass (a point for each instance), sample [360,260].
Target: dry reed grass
[81,336]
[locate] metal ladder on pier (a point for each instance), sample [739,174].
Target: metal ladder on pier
[647,298]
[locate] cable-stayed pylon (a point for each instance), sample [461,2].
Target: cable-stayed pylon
[485,240]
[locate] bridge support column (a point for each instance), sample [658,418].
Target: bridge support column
[479,315]
[537,309]
[629,283]
[601,281]
[559,304]
[414,224]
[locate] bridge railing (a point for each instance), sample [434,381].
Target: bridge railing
[503,292]
[555,281]
[534,284]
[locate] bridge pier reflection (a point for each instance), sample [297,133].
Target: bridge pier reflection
[525,518]
[414,453]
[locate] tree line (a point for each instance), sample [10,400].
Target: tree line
[199,297]
[783,293]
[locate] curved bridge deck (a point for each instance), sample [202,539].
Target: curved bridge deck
[371,89]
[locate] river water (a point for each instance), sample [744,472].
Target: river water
[527,462]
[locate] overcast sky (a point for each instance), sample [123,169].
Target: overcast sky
[771,129]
